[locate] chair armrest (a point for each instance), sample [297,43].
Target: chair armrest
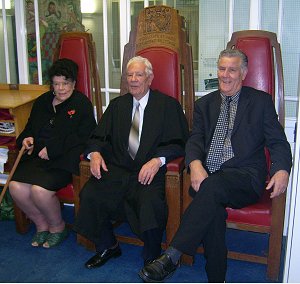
[79,182]
[85,173]
[174,196]
[176,165]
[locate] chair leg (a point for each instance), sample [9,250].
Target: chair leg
[174,201]
[275,240]
[89,245]
[76,187]
[78,182]
[22,222]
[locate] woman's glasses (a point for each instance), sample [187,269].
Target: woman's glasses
[61,84]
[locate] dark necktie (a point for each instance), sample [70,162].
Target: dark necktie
[134,143]
[215,153]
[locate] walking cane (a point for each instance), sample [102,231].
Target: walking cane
[12,172]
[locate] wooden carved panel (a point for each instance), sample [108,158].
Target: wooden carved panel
[158,25]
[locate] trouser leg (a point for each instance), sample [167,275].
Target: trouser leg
[204,219]
[87,219]
[199,215]
[107,238]
[152,243]
[215,250]
[99,200]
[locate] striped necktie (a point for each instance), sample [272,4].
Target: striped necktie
[134,143]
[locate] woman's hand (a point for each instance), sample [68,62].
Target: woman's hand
[43,154]
[28,143]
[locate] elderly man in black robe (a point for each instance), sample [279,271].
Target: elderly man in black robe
[137,135]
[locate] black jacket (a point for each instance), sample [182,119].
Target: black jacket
[256,126]
[73,123]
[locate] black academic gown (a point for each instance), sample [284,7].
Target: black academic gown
[164,134]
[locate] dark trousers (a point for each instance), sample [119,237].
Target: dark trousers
[152,241]
[205,218]
[121,197]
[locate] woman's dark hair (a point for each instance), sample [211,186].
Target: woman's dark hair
[64,67]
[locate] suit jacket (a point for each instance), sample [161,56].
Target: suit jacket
[73,123]
[256,126]
[164,132]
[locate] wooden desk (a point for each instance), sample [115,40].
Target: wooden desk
[19,103]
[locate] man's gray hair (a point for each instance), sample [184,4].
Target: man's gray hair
[148,65]
[235,53]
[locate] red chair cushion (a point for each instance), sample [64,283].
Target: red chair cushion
[66,194]
[256,214]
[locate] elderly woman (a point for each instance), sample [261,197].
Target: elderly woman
[60,122]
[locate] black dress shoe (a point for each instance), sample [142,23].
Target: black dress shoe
[147,261]
[100,258]
[158,269]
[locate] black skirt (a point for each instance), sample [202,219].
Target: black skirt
[34,171]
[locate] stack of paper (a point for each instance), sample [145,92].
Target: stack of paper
[3,158]
[3,179]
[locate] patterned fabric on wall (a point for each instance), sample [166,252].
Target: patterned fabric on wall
[54,17]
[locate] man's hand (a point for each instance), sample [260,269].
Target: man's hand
[96,163]
[28,143]
[279,182]
[43,154]
[198,174]
[149,170]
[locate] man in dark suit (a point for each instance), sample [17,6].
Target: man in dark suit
[137,135]
[227,174]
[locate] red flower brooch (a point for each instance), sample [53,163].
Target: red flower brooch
[71,112]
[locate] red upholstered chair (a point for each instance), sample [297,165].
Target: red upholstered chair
[159,35]
[266,216]
[80,47]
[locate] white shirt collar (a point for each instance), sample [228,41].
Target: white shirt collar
[143,101]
